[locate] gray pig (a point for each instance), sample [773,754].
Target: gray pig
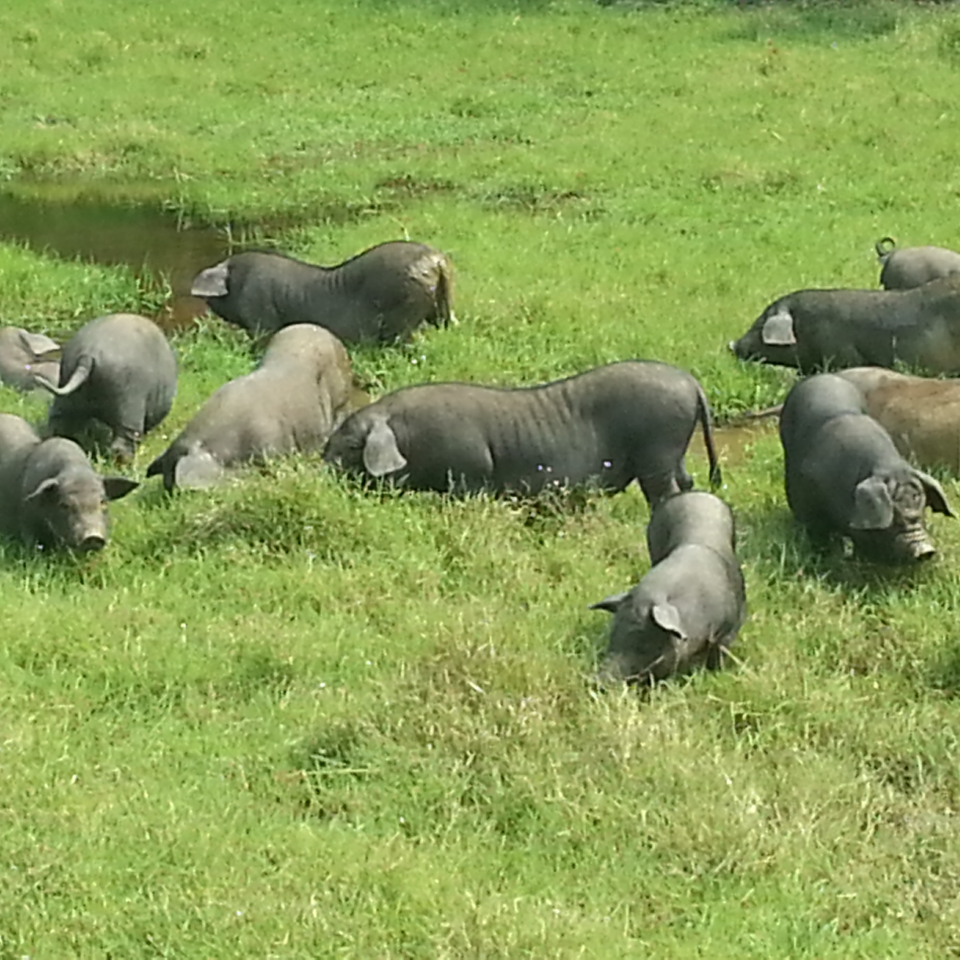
[844,475]
[380,295]
[814,329]
[689,607]
[23,355]
[117,370]
[913,266]
[50,496]
[611,425]
[301,391]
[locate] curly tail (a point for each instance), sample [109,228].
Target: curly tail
[705,416]
[81,374]
[884,247]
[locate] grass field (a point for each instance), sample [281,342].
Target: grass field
[290,718]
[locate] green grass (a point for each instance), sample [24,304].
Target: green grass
[294,718]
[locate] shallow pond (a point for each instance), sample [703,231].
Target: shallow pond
[145,237]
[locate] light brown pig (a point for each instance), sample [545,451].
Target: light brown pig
[921,414]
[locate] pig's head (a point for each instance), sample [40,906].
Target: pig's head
[70,509]
[771,338]
[365,444]
[887,521]
[647,642]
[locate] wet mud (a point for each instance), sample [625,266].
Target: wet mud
[734,443]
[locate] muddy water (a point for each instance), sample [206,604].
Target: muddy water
[146,238]
[734,443]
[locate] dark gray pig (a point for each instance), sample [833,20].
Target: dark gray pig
[50,496]
[689,607]
[913,266]
[380,295]
[611,425]
[844,475]
[117,370]
[292,402]
[23,355]
[815,329]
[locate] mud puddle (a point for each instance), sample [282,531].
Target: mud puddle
[151,241]
[734,443]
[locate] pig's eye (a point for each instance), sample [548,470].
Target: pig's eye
[910,497]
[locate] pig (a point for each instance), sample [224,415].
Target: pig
[379,296]
[608,426]
[818,329]
[50,495]
[302,390]
[844,476]
[921,414]
[117,370]
[689,607]
[913,266]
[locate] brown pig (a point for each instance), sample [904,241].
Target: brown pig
[921,414]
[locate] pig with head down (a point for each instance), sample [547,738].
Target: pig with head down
[688,608]
[302,390]
[844,475]
[50,495]
[118,371]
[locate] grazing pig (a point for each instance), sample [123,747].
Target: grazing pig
[49,494]
[301,391]
[380,295]
[117,370]
[689,607]
[921,414]
[626,421]
[23,355]
[815,329]
[913,266]
[844,475]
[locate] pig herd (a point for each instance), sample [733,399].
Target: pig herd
[855,442]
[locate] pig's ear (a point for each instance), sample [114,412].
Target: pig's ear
[612,603]
[44,489]
[936,498]
[667,617]
[38,344]
[872,505]
[117,487]
[197,471]
[212,282]
[777,330]
[381,455]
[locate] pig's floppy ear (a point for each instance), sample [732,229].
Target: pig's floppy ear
[43,488]
[197,471]
[777,330]
[872,505]
[381,455]
[667,617]
[38,344]
[211,282]
[117,487]
[936,498]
